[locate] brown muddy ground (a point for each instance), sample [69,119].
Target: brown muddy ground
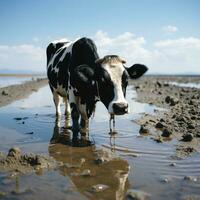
[16,92]
[180,120]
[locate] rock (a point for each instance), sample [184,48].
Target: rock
[159,84]
[167,99]
[143,130]
[103,156]
[4,93]
[187,137]
[190,178]
[86,172]
[137,195]
[99,188]
[159,125]
[14,152]
[172,164]
[190,126]
[166,133]
[180,119]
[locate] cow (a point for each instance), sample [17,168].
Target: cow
[77,74]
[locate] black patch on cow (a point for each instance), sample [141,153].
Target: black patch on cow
[105,86]
[124,82]
[63,71]
[52,76]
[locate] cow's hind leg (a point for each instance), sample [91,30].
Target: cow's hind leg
[57,101]
[75,118]
[67,113]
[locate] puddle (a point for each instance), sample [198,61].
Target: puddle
[190,85]
[142,164]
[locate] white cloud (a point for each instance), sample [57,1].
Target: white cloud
[169,29]
[165,56]
[22,57]
[126,45]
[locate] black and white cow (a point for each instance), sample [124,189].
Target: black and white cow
[77,74]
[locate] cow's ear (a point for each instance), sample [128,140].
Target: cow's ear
[136,71]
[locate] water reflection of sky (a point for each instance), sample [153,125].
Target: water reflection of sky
[44,98]
[13,80]
[190,85]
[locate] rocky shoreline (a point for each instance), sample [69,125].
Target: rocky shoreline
[181,117]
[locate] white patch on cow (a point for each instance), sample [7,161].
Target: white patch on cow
[62,91]
[115,70]
[57,101]
[68,48]
[82,109]
[63,40]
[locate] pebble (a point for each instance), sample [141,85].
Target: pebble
[143,130]
[187,137]
[172,164]
[166,133]
[190,178]
[99,188]
[4,93]
[86,172]
[159,125]
[14,152]
[137,195]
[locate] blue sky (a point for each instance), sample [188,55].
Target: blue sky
[165,35]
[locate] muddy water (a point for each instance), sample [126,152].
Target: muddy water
[132,161]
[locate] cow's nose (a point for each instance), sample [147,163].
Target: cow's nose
[120,108]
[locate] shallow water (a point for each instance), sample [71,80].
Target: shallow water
[15,80]
[190,85]
[143,164]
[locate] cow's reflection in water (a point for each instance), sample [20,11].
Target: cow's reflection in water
[81,163]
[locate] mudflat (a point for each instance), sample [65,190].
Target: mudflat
[16,92]
[181,117]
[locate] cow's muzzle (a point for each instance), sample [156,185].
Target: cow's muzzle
[120,108]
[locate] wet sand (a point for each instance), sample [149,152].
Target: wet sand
[180,120]
[16,92]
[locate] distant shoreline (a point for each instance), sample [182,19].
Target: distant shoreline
[24,75]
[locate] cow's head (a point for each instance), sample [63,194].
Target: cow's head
[109,79]
[112,78]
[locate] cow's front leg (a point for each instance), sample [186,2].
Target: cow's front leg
[75,118]
[67,113]
[84,126]
[57,101]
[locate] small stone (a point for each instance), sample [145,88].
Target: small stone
[190,178]
[137,195]
[172,164]
[4,93]
[167,99]
[190,126]
[159,125]
[187,137]
[86,172]
[166,133]
[143,130]
[14,152]
[99,188]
